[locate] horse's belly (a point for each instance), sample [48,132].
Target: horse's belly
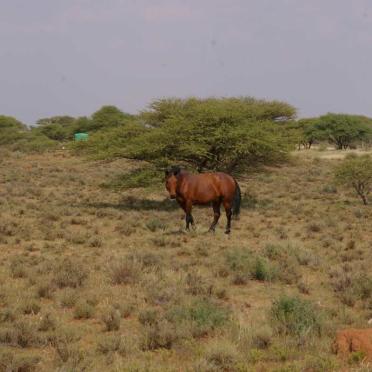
[205,198]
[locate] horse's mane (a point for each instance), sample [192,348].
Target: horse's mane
[176,170]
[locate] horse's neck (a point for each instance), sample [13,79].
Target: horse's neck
[182,177]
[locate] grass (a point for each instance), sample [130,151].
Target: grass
[296,317]
[93,279]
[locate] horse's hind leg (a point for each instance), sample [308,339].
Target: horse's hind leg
[217,213]
[227,205]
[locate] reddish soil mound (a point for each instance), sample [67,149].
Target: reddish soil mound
[354,340]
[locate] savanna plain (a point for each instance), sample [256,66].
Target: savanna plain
[93,279]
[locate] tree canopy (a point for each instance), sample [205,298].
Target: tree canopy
[342,130]
[356,172]
[11,129]
[108,116]
[215,134]
[62,128]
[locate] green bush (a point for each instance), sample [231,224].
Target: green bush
[11,130]
[34,142]
[17,137]
[262,270]
[246,265]
[202,316]
[296,317]
[109,143]
[356,172]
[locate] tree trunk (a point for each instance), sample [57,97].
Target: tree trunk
[359,188]
[364,199]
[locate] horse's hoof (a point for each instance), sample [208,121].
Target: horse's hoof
[227,232]
[212,230]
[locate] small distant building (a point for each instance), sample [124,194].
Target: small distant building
[81,136]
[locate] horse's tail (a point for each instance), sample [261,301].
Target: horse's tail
[237,200]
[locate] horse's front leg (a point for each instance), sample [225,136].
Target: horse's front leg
[189,218]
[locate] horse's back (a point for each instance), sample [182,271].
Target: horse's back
[227,184]
[216,185]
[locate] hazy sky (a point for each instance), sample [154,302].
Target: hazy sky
[73,56]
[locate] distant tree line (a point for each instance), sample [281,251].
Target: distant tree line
[229,134]
[340,130]
[51,131]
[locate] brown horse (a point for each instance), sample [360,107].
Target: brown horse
[192,189]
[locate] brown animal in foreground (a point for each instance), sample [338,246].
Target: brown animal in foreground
[354,340]
[192,189]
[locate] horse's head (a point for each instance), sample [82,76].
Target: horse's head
[171,179]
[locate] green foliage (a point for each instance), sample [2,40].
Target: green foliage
[261,270]
[356,172]
[305,132]
[356,357]
[217,134]
[11,130]
[18,137]
[203,314]
[82,124]
[62,128]
[295,317]
[109,143]
[58,128]
[34,142]
[64,121]
[10,122]
[108,116]
[250,266]
[343,130]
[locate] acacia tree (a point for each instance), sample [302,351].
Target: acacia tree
[217,134]
[356,172]
[11,129]
[342,130]
[308,133]
[58,128]
[108,116]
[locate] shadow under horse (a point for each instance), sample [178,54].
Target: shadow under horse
[204,188]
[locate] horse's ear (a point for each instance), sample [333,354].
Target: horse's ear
[176,171]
